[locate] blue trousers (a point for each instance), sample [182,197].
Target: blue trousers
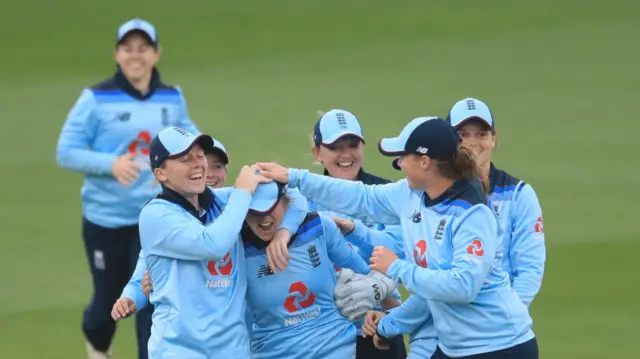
[112,254]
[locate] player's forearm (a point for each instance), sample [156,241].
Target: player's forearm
[389,303]
[527,285]
[85,161]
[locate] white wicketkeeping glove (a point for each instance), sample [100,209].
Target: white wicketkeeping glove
[356,294]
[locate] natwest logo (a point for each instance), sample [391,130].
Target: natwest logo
[476,248]
[221,267]
[539,226]
[300,297]
[420,253]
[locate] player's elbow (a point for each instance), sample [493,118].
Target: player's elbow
[64,158]
[466,290]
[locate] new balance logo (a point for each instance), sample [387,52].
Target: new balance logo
[416,217]
[123,116]
[422,150]
[264,271]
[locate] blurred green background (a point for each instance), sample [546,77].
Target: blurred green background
[561,76]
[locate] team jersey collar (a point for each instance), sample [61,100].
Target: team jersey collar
[127,87]
[493,176]
[452,192]
[206,200]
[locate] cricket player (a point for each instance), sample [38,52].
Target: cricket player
[189,235]
[514,201]
[338,144]
[106,137]
[133,297]
[450,231]
[294,312]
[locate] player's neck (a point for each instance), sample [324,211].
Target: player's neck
[142,84]
[485,171]
[437,186]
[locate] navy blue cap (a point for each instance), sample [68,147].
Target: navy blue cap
[470,109]
[266,198]
[423,136]
[137,25]
[174,142]
[334,125]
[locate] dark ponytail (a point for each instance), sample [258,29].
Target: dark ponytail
[462,166]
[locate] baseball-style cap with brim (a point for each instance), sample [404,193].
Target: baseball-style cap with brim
[423,136]
[470,109]
[137,25]
[266,198]
[334,125]
[174,142]
[220,150]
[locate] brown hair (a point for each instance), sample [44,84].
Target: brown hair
[462,166]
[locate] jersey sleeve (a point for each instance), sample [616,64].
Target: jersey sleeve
[475,241]
[76,139]
[339,251]
[527,252]
[370,203]
[166,231]
[133,289]
[184,120]
[366,239]
[296,212]
[406,318]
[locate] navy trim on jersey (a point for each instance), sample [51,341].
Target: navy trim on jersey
[119,83]
[206,200]
[500,181]
[462,193]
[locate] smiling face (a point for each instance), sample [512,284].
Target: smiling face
[137,56]
[343,159]
[477,136]
[216,170]
[186,174]
[265,226]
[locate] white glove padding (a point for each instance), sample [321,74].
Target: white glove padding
[356,294]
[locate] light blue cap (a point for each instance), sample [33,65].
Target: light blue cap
[470,108]
[266,197]
[334,125]
[137,25]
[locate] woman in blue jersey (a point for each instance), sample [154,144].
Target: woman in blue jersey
[514,201]
[451,232]
[189,236]
[338,144]
[294,312]
[106,137]
[134,297]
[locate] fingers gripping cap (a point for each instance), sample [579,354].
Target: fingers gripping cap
[334,125]
[423,136]
[174,142]
[266,198]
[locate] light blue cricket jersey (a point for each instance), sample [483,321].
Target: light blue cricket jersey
[516,205]
[294,312]
[197,265]
[456,252]
[109,120]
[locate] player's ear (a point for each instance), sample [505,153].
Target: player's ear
[425,162]
[160,175]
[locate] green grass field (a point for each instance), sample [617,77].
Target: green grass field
[562,78]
